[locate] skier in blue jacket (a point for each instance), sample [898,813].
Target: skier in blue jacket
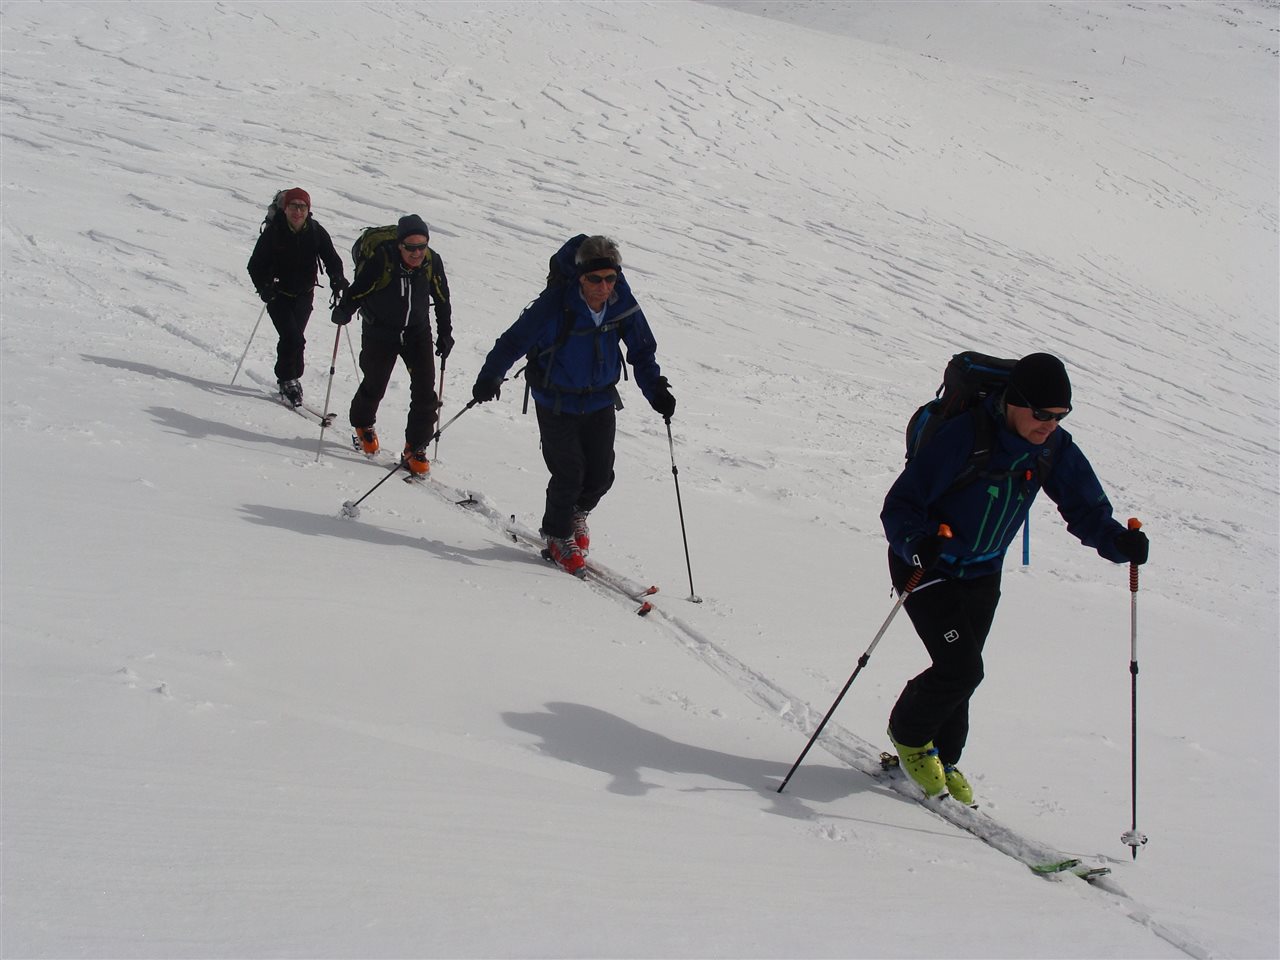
[953,606]
[573,335]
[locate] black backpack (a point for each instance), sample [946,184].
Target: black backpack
[967,381]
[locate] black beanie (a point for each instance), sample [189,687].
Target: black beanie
[1039,380]
[412,225]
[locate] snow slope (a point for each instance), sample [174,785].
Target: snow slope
[236,724]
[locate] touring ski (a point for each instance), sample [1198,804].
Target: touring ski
[306,411]
[1040,860]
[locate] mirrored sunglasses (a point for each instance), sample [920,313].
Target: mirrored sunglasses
[413,247]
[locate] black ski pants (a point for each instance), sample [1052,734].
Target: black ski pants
[378,356]
[953,618]
[290,316]
[578,450]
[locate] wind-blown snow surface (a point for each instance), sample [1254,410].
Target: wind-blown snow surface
[236,724]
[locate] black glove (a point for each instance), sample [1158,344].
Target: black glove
[926,551]
[444,346]
[486,390]
[1134,545]
[340,316]
[266,294]
[663,402]
[338,285]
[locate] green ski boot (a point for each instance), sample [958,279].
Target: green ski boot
[957,785]
[922,766]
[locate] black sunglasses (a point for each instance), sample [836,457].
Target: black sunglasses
[413,247]
[598,278]
[1038,413]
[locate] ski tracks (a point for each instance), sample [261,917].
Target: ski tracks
[845,746]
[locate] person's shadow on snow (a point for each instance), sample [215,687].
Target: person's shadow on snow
[602,741]
[160,373]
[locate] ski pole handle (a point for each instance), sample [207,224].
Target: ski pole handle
[1134,524]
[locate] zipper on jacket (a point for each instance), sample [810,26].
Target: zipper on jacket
[406,291]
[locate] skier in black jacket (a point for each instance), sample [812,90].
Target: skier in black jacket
[393,291]
[283,269]
[953,605]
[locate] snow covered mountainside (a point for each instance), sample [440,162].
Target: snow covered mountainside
[236,723]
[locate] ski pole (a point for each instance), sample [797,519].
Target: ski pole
[675,475]
[354,364]
[333,363]
[439,406]
[912,582]
[248,345]
[444,427]
[352,510]
[1133,836]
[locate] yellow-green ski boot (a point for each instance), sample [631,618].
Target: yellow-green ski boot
[922,766]
[957,785]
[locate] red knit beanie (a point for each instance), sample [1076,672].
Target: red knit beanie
[297,193]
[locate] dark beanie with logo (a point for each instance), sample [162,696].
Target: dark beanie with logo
[1039,380]
[412,226]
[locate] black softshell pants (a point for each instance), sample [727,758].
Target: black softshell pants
[378,356]
[953,618]
[578,450]
[290,316]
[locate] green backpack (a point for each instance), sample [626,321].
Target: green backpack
[367,246]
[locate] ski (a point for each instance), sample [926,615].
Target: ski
[587,573]
[1040,860]
[592,571]
[306,411]
[325,419]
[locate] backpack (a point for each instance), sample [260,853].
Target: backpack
[969,378]
[371,239]
[274,207]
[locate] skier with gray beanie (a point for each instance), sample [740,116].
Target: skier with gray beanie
[953,605]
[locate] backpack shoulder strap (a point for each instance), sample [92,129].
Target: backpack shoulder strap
[984,440]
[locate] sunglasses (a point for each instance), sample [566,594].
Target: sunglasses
[595,279]
[1037,413]
[297,205]
[1044,416]
[413,247]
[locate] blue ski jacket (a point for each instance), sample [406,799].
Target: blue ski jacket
[984,515]
[576,365]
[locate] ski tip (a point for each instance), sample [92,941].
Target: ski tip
[645,609]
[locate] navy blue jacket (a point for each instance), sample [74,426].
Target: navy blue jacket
[984,516]
[579,376]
